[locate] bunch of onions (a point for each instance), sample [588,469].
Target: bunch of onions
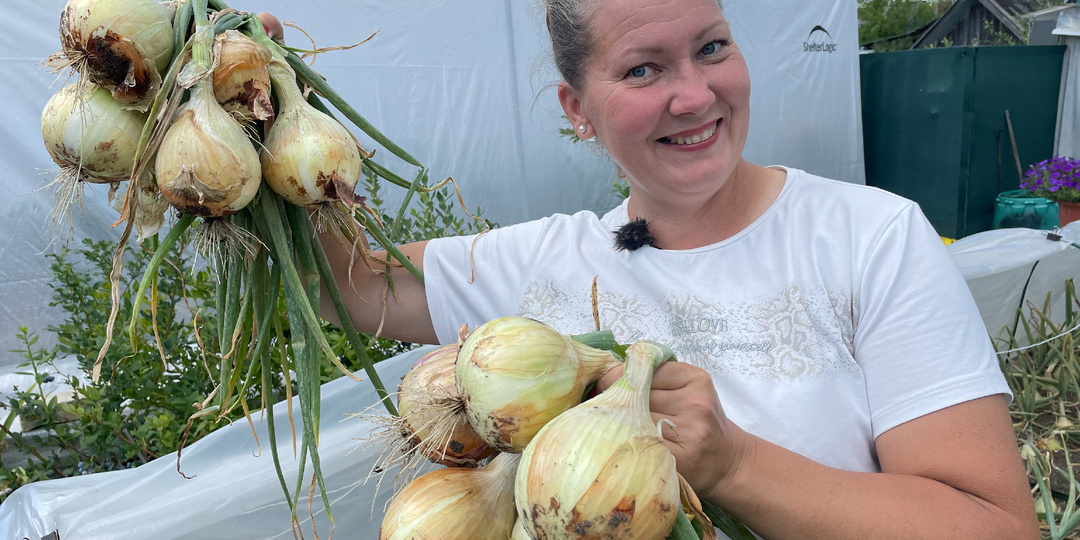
[241,77]
[516,374]
[432,412]
[121,45]
[308,158]
[206,165]
[91,137]
[601,470]
[456,504]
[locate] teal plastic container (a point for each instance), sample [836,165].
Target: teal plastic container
[1016,209]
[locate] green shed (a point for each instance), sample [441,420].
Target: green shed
[935,129]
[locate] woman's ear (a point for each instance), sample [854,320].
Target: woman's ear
[575,110]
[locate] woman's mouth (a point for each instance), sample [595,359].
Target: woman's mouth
[691,138]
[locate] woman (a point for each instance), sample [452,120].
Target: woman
[861,396]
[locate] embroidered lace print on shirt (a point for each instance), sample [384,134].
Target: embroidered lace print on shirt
[793,335]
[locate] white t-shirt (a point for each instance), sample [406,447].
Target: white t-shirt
[835,316]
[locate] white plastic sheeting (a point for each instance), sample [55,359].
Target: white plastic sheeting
[1067,136]
[461,85]
[236,494]
[997,264]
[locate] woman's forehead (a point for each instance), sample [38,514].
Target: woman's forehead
[623,25]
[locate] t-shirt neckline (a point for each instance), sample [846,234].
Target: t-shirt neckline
[789,181]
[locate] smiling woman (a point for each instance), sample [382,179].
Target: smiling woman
[830,352]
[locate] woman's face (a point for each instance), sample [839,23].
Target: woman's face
[667,92]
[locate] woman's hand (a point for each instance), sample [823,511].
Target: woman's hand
[272,26]
[707,446]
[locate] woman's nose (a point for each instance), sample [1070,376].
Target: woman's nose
[691,93]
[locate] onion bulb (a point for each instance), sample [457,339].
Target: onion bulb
[241,80]
[308,157]
[519,532]
[88,132]
[91,137]
[432,412]
[206,165]
[600,470]
[516,374]
[121,45]
[456,504]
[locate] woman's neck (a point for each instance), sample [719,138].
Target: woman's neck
[686,224]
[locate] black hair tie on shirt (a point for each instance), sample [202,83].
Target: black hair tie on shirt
[634,235]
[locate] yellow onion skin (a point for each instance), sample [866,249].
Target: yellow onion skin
[600,470]
[241,77]
[516,374]
[206,165]
[127,44]
[308,157]
[431,379]
[519,532]
[456,504]
[85,129]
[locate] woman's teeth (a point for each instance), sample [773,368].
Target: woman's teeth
[703,136]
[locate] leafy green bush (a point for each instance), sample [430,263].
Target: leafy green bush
[138,410]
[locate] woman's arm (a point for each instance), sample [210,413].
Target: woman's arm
[400,313]
[955,473]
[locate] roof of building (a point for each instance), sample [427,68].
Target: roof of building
[1005,11]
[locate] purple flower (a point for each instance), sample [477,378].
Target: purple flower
[1057,178]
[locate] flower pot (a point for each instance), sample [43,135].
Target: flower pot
[1068,212]
[1018,209]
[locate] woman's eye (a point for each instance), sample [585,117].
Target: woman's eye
[712,47]
[638,72]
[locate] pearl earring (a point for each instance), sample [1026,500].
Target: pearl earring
[581,128]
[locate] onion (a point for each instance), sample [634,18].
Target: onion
[433,412]
[456,504]
[86,130]
[91,137]
[206,165]
[122,45]
[601,470]
[241,79]
[516,374]
[308,157]
[519,532]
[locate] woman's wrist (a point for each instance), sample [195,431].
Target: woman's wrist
[738,465]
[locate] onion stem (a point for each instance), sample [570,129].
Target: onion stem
[228,315]
[305,356]
[683,530]
[380,237]
[603,340]
[728,524]
[421,179]
[181,25]
[385,173]
[299,221]
[151,271]
[272,290]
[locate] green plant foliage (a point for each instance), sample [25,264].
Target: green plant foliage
[1045,382]
[433,215]
[139,409]
[880,19]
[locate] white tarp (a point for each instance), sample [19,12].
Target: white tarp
[466,88]
[997,265]
[235,493]
[1067,135]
